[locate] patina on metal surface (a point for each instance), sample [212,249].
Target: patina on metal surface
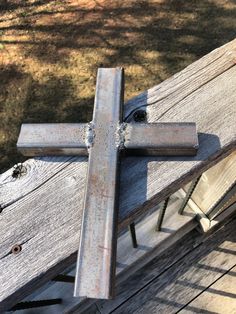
[161,139]
[103,139]
[53,139]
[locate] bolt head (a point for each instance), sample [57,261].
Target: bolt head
[140,116]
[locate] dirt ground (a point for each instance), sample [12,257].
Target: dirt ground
[50,52]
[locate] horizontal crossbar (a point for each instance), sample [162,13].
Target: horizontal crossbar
[138,139]
[161,139]
[53,139]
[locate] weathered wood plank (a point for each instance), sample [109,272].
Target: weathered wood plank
[150,243]
[47,209]
[186,280]
[220,297]
[173,90]
[35,173]
[197,79]
[214,143]
[43,234]
[214,183]
[144,182]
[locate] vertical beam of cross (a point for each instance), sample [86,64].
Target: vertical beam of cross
[103,139]
[96,259]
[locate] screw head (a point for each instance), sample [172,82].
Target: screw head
[140,116]
[18,171]
[16,249]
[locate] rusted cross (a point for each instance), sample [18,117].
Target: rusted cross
[103,139]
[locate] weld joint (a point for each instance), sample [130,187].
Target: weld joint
[120,135]
[90,135]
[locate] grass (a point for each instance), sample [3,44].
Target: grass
[50,52]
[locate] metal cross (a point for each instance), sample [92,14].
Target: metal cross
[103,139]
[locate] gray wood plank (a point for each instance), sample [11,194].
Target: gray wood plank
[49,238]
[144,182]
[219,298]
[150,243]
[46,226]
[36,172]
[174,97]
[184,281]
[217,139]
[173,90]
[214,183]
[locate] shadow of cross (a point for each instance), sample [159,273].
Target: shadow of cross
[103,139]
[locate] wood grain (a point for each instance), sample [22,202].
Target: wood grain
[44,206]
[185,281]
[37,171]
[150,244]
[220,297]
[214,183]
[164,175]
[194,84]
[184,83]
